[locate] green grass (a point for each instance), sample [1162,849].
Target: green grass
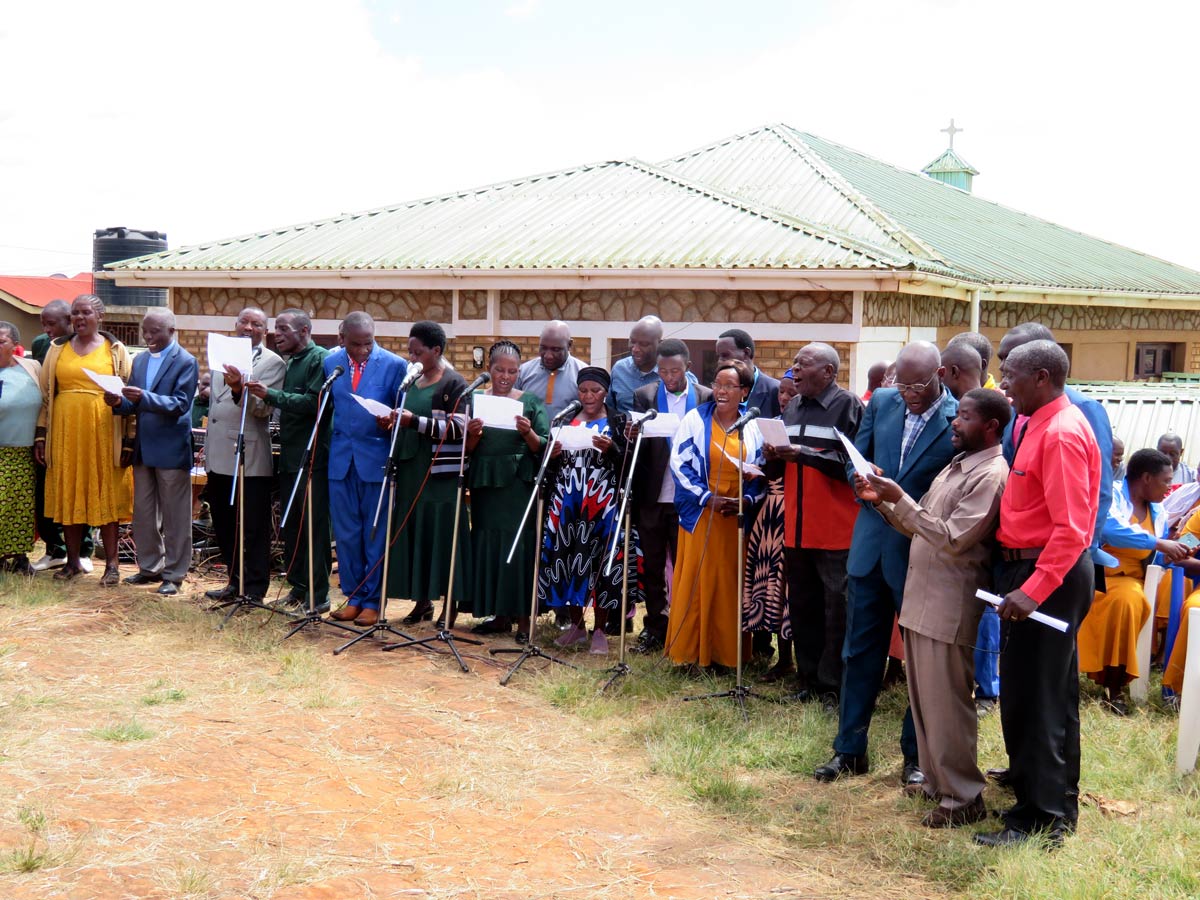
[758,771]
[36,854]
[122,732]
[20,591]
[158,698]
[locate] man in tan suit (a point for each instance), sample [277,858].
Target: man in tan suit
[953,529]
[220,445]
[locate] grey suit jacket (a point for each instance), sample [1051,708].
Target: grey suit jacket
[224,416]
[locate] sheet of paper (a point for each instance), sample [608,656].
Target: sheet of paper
[110,383]
[749,468]
[995,600]
[374,407]
[229,351]
[662,425]
[861,466]
[496,412]
[774,432]
[576,437]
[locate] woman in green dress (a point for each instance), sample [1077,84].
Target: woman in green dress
[504,463]
[428,450]
[20,403]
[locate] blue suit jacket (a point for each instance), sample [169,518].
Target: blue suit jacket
[164,414]
[1102,429]
[878,439]
[357,439]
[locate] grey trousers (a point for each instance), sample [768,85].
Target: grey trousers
[941,678]
[162,521]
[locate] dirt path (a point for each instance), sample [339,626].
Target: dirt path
[290,773]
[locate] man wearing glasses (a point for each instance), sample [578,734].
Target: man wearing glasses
[905,432]
[552,376]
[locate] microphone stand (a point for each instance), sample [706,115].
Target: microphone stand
[238,492]
[739,692]
[622,668]
[388,488]
[444,634]
[531,650]
[311,618]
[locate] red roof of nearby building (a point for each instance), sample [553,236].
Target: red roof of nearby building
[37,291]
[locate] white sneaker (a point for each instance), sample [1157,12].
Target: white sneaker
[49,562]
[85,564]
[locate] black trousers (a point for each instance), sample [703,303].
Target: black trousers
[817,604]
[257,502]
[50,531]
[295,534]
[658,529]
[1039,700]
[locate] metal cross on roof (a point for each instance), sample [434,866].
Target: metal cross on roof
[952,131]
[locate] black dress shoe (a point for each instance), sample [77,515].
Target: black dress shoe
[419,614]
[912,779]
[842,764]
[167,589]
[139,578]
[229,592]
[1011,837]
[522,637]
[1001,776]
[647,643]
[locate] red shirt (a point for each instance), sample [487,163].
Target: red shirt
[1052,496]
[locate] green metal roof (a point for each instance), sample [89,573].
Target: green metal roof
[950,162]
[789,170]
[772,198]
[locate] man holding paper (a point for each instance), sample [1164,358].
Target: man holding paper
[952,528]
[905,432]
[358,452]
[220,446]
[654,486]
[1047,516]
[819,515]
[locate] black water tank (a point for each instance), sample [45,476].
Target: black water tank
[115,244]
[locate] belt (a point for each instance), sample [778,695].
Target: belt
[1008,554]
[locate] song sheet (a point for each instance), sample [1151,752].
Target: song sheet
[235,352]
[749,468]
[496,412]
[111,384]
[995,600]
[374,407]
[577,437]
[774,432]
[662,425]
[861,466]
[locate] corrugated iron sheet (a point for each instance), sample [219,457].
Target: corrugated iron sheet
[610,215]
[1141,412]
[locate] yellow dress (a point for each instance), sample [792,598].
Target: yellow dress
[1108,634]
[1173,671]
[702,626]
[83,487]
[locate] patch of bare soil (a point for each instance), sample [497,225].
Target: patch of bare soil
[280,771]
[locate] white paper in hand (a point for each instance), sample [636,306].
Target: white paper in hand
[749,468]
[662,425]
[229,351]
[374,407]
[1180,501]
[774,432]
[110,384]
[576,437]
[996,600]
[496,412]
[861,466]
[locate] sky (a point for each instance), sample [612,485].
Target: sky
[233,116]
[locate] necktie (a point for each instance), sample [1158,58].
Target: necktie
[356,374]
[550,387]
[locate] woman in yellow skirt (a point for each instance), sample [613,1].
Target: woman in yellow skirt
[87,450]
[1108,634]
[702,628]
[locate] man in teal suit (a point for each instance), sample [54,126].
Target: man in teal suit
[905,432]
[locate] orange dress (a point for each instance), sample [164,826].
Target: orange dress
[1108,634]
[83,487]
[702,626]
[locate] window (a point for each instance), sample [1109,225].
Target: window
[1154,359]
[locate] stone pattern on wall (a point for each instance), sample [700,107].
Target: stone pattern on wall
[1089,318]
[890,308]
[386,306]
[679,306]
[472,304]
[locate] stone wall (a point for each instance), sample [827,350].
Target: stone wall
[678,306]
[888,308]
[472,304]
[386,306]
[1089,318]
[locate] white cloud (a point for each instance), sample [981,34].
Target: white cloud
[523,9]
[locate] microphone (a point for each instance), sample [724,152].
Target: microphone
[752,413]
[568,412]
[414,372]
[483,379]
[650,414]
[338,372]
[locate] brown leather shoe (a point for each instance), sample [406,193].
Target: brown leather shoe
[345,614]
[368,617]
[973,812]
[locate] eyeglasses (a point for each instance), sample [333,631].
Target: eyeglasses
[717,386]
[914,388]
